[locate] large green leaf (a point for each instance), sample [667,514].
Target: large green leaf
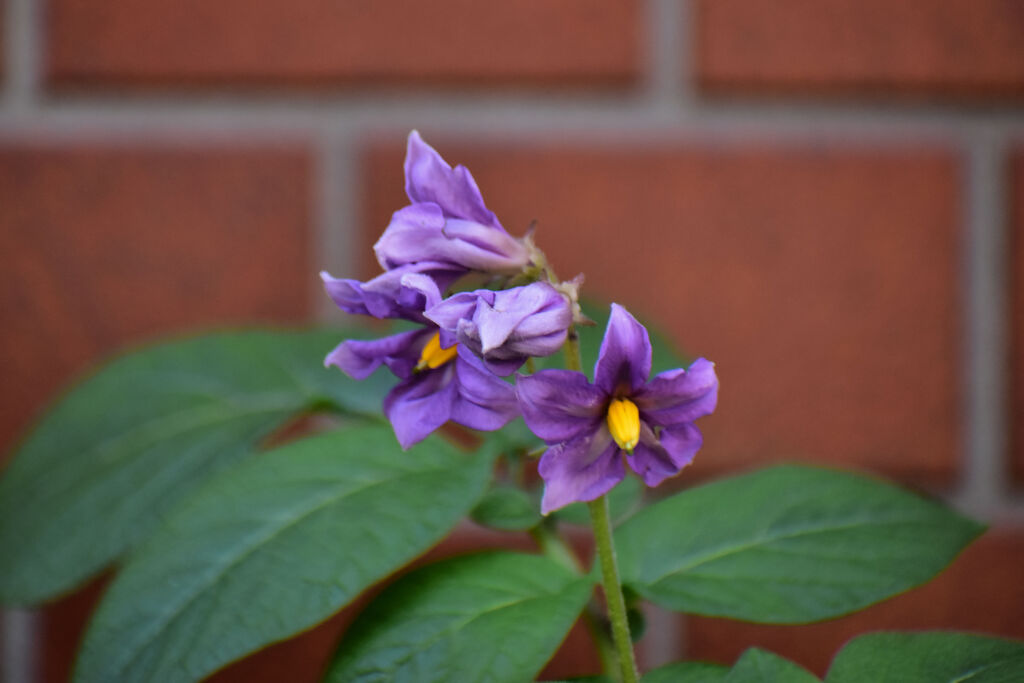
[486,618]
[101,468]
[788,544]
[507,508]
[760,666]
[928,658]
[272,547]
[687,672]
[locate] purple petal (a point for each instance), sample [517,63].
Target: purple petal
[359,358]
[624,362]
[400,293]
[559,405]
[582,469]
[429,178]
[422,233]
[505,327]
[420,404]
[679,396]
[484,401]
[656,462]
[449,312]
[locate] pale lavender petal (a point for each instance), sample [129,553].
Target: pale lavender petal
[559,405]
[505,327]
[624,362]
[582,469]
[679,396]
[400,293]
[420,404]
[358,358]
[429,178]
[655,462]
[421,232]
[449,312]
[484,401]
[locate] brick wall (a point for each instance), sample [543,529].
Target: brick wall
[824,196]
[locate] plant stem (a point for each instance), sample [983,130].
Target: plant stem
[613,588]
[572,350]
[601,522]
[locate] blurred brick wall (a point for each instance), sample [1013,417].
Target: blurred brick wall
[826,197]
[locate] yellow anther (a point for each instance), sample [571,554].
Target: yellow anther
[433,356]
[624,423]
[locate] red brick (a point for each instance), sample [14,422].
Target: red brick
[282,42]
[930,48]
[981,591]
[822,280]
[1017,315]
[102,247]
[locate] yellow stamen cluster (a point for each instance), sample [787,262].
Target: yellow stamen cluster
[624,423]
[433,356]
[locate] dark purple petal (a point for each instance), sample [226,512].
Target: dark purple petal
[624,362]
[429,178]
[400,293]
[656,462]
[420,404]
[582,469]
[484,401]
[359,358]
[679,396]
[422,233]
[559,405]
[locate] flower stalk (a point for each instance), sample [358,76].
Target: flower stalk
[601,523]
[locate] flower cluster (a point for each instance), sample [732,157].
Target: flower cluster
[451,366]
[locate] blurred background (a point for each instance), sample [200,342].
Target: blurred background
[826,197]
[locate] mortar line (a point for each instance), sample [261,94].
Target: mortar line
[667,55]
[334,233]
[594,128]
[20,632]
[22,55]
[663,637]
[629,116]
[984,488]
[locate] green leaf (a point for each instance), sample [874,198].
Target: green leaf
[110,458]
[490,617]
[507,508]
[760,666]
[928,657]
[622,501]
[272,547]
[787,545]
[687,672]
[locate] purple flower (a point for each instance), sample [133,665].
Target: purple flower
[506,327]
[447,221]
[589,427]
[437,384]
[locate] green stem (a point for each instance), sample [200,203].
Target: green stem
[572,350]
[613,588]
[602,524]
